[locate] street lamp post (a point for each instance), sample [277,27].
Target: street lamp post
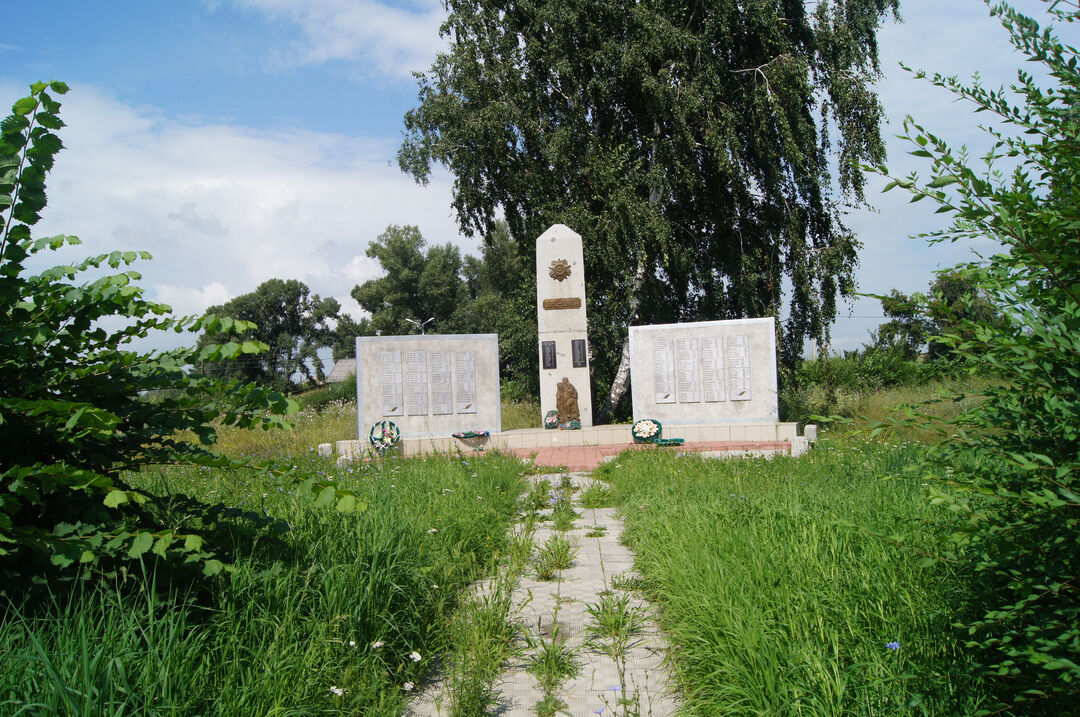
[421,324]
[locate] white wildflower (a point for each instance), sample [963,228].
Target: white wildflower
[408,686]
[339,691]
[414,656]
[377,644]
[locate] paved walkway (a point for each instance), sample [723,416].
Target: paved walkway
[586,458]
[637,685]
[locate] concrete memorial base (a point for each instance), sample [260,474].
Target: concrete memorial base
[586,448]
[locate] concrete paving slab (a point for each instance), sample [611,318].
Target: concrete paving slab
[603,686]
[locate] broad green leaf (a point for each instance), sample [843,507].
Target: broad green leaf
[143,541]
[24,106]
[326,496]
[115,498]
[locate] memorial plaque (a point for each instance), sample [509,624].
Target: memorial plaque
[442,386]
[465,369]
[429,386]
[664,371]
[393,403]
[416,383]
[738,368]
[577,347]
[548,350]
[689,377]
[708,372]
[712,370]
[572,302]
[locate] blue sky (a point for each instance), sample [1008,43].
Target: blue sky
[239,140]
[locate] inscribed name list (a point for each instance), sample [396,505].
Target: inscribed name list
[738,367]
[416,383]
[390,370]
[689,379]
[466,381]
[664,371]
[442,390]
[712,370]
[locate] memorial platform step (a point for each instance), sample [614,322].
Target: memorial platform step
[586,448]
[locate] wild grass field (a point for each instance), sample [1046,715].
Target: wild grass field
[798,586]
[788,586]
[325,613]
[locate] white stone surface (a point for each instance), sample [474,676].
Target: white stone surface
[810,431]
[563,326]
[429,386]
[326,450]
[705,372]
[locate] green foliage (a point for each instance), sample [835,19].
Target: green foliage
[552,662]
[78,408]
[555,555]
[320,398]
[775,602]
[467,295]
[701,180]
[844,385]
[339,601]
[418,285]
[952,307]
[1021,532]
[290,321]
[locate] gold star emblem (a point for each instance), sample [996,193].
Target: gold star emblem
[560,269]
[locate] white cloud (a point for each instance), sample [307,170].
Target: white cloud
[187,301]
[224,208]
[382,40]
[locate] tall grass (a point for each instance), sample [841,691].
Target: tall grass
[783,583]
[521,414]
[339,613]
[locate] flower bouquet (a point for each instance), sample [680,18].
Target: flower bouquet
[646,430]
[551,420]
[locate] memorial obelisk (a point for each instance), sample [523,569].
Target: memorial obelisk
[560,317]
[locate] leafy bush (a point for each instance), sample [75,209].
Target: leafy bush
[320,398]
[1021,538]
[73,396]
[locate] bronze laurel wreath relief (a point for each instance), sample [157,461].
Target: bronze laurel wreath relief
[560,269]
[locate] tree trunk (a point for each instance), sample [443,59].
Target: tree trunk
[622,374]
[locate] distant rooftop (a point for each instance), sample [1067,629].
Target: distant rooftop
[342,370]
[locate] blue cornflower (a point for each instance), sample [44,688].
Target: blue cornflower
[892,645]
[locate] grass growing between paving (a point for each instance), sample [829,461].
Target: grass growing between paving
[775,603]
[325,613]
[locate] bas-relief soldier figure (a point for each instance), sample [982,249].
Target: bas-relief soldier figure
[566,401]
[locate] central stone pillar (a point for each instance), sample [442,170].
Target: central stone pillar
[560,316]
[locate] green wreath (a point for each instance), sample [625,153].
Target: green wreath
[384,435]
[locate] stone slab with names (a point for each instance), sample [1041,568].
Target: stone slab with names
[705,372]
[430,385]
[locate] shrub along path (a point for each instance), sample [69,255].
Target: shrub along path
[588,644]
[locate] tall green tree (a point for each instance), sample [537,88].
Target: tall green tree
[420,283]
[953,306]
[1011,462]
[704,150]
[289,319]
